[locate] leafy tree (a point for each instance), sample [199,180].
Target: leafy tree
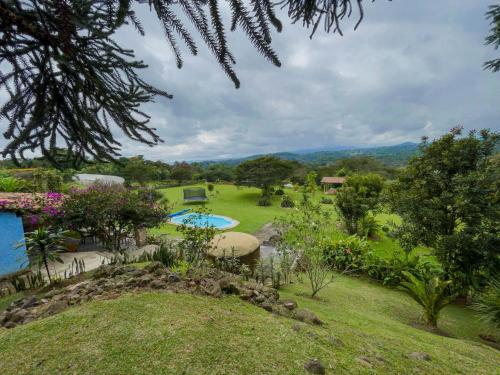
[263,172]
[219,172]
[359,195]
[311,185]
[68,80]
[430,293]
[181,171]
[448,200]
[43,246]
[493,38]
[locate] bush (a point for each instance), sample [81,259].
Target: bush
[279,192]
[347,254]
[368,226]
[487,304]
[11,184]
[210,187]
[287,202]
[391,271]
[165,254]
[325,200]
[264,201]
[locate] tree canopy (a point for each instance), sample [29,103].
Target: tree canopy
[448,200]
[263,172]
[68,83]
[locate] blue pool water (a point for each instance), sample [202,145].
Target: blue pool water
[203,220]
[11,232]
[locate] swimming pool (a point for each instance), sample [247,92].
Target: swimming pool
[204,220]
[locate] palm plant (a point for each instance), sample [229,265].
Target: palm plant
[43,246]
[430,293]
[487,304]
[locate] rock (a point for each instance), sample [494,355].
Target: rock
[137,272]
[229,286]
[55,308]
[173,278]
[18,315]
[267,306]
[53,292]
[153,266]
[314,366]
[158,284]
[104,271]
[30,302]
[290,304]
[9,325]
[421,356]
[307,316]
[260,298]
[215,290]
[145,280]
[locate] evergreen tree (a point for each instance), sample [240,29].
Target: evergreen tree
[493,38]
[70,84]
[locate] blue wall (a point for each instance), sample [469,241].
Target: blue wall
[11,232]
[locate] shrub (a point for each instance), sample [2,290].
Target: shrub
[326,200]
[12,184]
[487,304]
[287,202]
[165,254]
[430,293]
[391,271]
[196,240]
[279,192]
[264,201]
[210,187]
[347,254]
[368,226]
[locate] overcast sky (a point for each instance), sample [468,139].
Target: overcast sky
[412,68]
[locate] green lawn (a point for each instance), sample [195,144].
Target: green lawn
[237,203]
[165,333]
[241,204]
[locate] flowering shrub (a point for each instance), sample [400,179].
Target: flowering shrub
[110,212]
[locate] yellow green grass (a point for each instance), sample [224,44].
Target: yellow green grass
[165,333]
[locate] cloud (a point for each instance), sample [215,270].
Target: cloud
[411,69]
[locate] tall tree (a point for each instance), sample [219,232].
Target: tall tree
[263,172]
[448,200]
[68,82]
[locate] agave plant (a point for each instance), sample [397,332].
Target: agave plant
[430,293]
[43,246]
[487,304]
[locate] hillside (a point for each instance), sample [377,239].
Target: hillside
[396,155]
[368,329]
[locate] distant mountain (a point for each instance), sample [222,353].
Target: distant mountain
[390,155]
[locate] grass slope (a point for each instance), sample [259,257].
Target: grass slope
[161,333]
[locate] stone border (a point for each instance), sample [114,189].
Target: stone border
[234,223]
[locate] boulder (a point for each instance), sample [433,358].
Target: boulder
[421,356]
[289,304]
[158,284]
[173,278]
[307,316]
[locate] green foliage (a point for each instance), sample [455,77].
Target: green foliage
[287,202]
[210,187]
[326,200]
[493,38]
[346,254]
[12,184]
[430,293]
[279,192]
[368,226]
[29,281]
[219,172]
[43,246]
[359,195]
[391,271]
[47,180]
[311,186]
[487,304]
[264,201]
[305,232]
[165,254]
[110,212]
[196,241]
[448,200]
[263,172]
[181,171]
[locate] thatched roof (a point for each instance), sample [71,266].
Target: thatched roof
[333,180]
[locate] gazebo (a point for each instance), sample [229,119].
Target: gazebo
[195,195]
[331,184]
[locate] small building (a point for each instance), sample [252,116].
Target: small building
[331,184]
